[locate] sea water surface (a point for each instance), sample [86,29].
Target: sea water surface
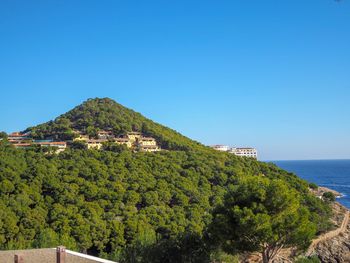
[334,174]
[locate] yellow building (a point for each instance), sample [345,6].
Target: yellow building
[147,141]
[149,148]
[81,137]
[105,135]
[60,146]
[95,144]
[124,141]
[133,136]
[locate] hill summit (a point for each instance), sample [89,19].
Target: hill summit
[106,114]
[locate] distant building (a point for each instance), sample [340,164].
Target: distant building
[104,135]
[133,136]
[147,141]
[95,144]
[149,148]
[134,140]
[40,141]
[17,137]
[22,145]
[82,137]
[61,146]
[246,152]
[124,141]
[219,147]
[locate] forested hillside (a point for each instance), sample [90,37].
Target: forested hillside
[146,207]
[106,114]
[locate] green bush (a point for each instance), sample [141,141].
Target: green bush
[329,196]
[313,186]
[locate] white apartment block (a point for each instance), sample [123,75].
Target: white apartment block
[243,152]
[246,152]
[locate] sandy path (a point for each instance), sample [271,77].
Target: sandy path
[330,234]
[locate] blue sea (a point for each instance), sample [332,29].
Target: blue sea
[334,174]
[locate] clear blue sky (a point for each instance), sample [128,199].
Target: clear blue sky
[270,74]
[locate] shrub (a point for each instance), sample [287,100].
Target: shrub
[328,196]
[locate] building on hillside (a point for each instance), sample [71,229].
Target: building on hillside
[133,136]
[147,141]
[18,136]
[219,147]
[95,144]
[14,141]
[148,144]
[22,145]
[244,152]
[82,137]
[124,141]
[42,141]
[104,135]
[149,148]
[61,146]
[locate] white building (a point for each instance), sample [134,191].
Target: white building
[219,147]
[246,152]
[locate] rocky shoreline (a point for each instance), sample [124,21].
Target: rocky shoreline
[331,247]
[337,248]
[321,190]
[334,249]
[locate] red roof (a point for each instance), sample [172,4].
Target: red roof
[16,134]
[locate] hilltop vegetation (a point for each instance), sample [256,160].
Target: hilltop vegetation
[106,114]
[146,207]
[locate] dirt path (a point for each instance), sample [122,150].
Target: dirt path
[330,234]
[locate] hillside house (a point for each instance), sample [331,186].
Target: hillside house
[133,136]
[61,146]
[17,137]
[40,141]
[147,141]
[104,135]
[149,148]
[95,144]
[82,137]
[246,152]
[22,145]
[123,141]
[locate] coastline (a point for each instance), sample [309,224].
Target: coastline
[322,189]
[329,175]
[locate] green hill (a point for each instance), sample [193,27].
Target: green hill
[106,114]
[132,206]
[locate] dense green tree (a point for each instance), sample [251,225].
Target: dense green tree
[262,215]
[46,239]
[80,145]
[329,196]
[3,135]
